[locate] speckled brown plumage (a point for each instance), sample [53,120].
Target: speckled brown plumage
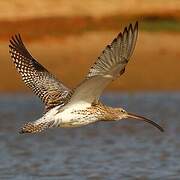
[45,85]
[98,111]
[103,112]
[80,106]
[109,65]
[35,128]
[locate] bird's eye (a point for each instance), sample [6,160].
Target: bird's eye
[123,111]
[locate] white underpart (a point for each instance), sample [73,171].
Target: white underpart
[68,116]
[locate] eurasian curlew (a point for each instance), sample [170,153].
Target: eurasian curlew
[80,106]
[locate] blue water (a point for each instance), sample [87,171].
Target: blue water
[112,150]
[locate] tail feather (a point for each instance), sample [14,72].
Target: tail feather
[34,127]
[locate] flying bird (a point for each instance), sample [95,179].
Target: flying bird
[65,107]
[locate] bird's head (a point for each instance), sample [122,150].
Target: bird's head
[123,114]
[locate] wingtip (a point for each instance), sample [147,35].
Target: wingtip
[126,30]
[16,38]
[136,25]
[10,45]
[131,27]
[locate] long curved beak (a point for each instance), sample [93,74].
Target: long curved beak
[134,116]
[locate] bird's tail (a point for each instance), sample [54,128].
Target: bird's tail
[34,127]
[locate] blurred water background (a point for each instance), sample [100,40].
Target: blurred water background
[66,37]
[113,150]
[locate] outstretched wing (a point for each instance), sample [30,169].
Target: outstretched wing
[109,65]
[50,90]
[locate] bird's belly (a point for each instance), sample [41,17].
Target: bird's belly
[76,118]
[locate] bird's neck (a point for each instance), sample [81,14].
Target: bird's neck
[107,113]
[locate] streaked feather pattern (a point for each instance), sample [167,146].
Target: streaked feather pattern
[81,105]
[50,90]
[109,65]
[115,56]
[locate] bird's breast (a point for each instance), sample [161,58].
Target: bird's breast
[76,117]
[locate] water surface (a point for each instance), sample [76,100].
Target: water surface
[113,150]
